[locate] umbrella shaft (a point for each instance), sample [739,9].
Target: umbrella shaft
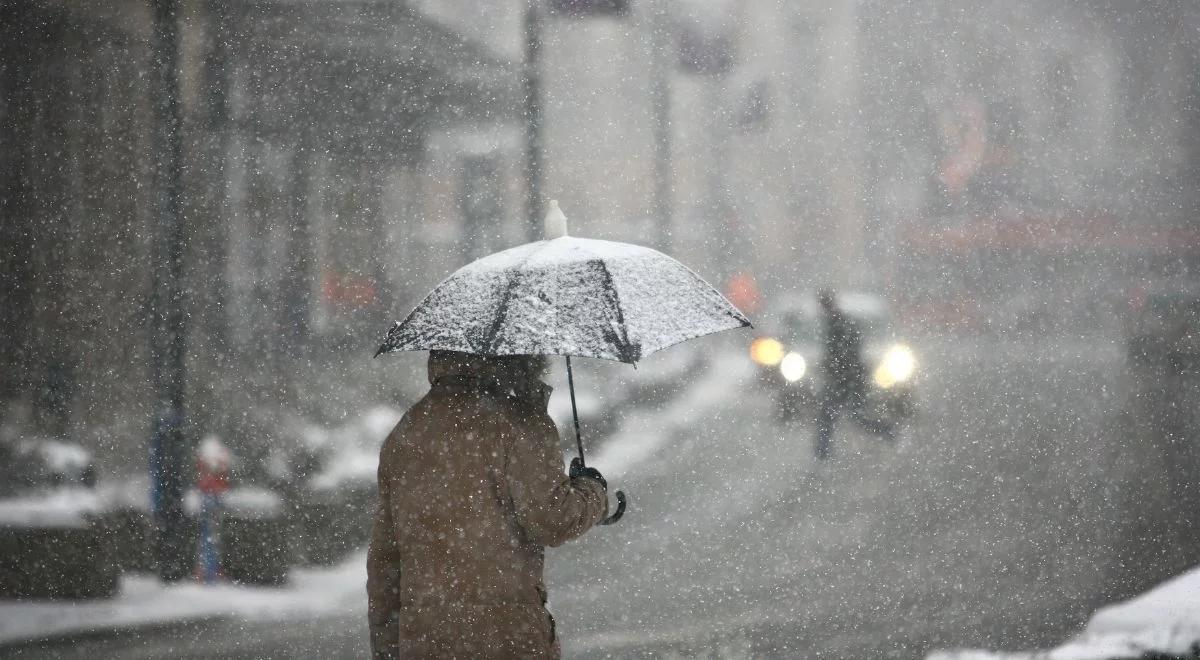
[574,410]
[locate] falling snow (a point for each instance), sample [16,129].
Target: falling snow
[213,212]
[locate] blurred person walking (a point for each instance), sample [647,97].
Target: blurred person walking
[471,491]
[845,375]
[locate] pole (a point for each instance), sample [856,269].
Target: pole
[660,91]
[298,276]
[574,411]
[168,453]
[533,120]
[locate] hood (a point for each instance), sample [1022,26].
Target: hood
[450,363]
[493,373]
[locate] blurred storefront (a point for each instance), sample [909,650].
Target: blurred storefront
[306,178]
[1027,160]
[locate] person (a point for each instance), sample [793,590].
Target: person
[845,384]
[471,491]
[213,460]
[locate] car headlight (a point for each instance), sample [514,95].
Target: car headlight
[793,366]
[897,366]
[766,351]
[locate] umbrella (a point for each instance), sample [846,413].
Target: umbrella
[566,296]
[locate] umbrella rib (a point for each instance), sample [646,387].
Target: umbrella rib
[627,350]
[389,341]
[502,309]
[740,319]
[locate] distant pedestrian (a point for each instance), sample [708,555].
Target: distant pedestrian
[844,373]
[212,481]
[471,490]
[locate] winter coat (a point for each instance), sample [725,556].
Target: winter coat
[471,490]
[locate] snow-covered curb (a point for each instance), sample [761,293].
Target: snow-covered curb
[1164,620]
[639,438]
[145,602]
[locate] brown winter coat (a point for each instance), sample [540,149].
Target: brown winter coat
[472,489]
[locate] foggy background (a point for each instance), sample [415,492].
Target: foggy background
[1015,178]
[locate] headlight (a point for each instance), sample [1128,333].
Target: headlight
[766,351]
[897,366]
[793,366]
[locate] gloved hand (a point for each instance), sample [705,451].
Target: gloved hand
[579,470]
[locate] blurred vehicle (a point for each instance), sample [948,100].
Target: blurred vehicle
[1163,328]
[953,273]
[54,523]
[1162,336]
[788,356]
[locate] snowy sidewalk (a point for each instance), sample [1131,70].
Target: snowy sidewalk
[645,431]
[1163,622]
[144,602]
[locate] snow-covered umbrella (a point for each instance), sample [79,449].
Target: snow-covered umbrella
[566,296]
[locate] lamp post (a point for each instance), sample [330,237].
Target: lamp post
[168,451]
[660,91]
[533,119]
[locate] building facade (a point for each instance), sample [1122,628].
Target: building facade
[314,145]
[341,156]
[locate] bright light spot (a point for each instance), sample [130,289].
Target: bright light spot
[766,351]
[896,367]
[793,367]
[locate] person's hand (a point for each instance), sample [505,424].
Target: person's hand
[579,470]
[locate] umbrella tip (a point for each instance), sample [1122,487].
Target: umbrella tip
[555,223]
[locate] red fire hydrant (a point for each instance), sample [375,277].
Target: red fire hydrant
[212,480]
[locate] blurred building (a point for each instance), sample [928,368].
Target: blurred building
[314,146]
[761,170]
[1027,164]
[341,156]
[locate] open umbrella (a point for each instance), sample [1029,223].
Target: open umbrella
[566,296]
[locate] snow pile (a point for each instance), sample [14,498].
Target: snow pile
[59,508]
[1164,620]
[244,502]
[144,601]
[587,401]
[352,450]
[63,457]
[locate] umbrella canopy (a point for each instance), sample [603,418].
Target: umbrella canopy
[566,296]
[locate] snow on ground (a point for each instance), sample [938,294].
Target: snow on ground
[644,432]
[63,507]
[352,449]
[1164,620]
[145,601]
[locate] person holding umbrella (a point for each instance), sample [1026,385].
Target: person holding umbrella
[471,480]
[472,490]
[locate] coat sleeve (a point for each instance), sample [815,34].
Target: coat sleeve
[383,570]
[550,507]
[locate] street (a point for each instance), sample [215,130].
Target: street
[237,235]
[989,525]
[983,528]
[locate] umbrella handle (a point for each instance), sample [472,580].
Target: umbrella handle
[620,510]
[579,445]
